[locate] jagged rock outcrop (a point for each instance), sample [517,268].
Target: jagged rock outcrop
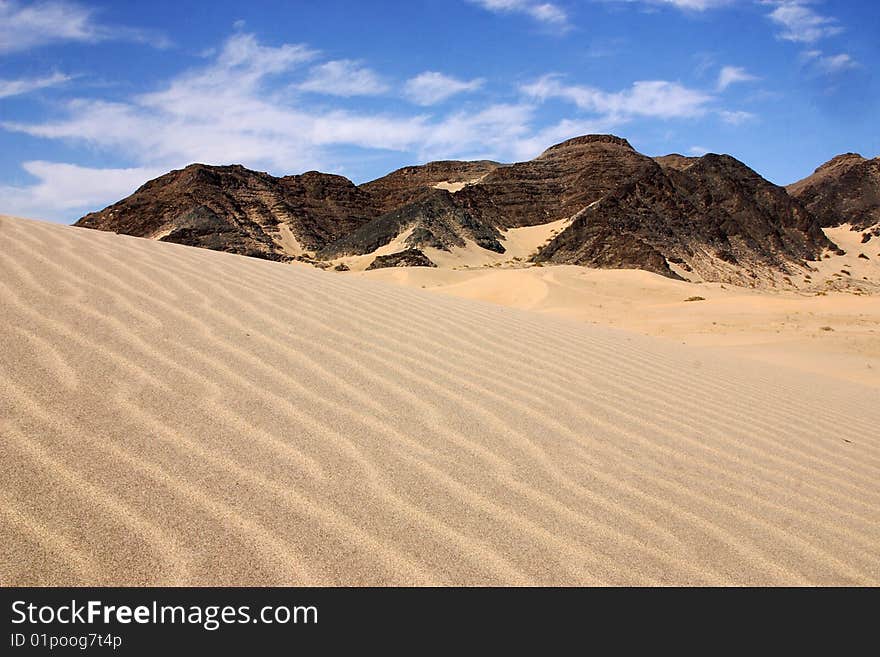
[435,221]
[557,184]
[408,258]
[231,208]
[844,190]
[410,184]
[712,215]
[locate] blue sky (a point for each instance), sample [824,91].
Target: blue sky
[97,97]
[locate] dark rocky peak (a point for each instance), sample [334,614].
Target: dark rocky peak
[578,143]
[715,217]
[318,181]
[844,159]
[231,208]
[215,174]
[675,161]
[846,189]
[559,183]
[727,165]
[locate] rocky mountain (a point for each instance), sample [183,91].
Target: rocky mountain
[434,221]
[711,216]
[845,189]
[410,184]
[557,184]
[230,208]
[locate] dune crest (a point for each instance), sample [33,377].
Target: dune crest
[173,415]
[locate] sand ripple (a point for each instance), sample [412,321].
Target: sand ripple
[177,416]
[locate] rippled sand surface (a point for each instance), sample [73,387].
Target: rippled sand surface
[170,415]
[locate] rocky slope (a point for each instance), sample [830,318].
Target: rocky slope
[234,209]
[434,221]
[557,184]
[844,190]
[410,184]
[715,217]
[711,217]
[408,258]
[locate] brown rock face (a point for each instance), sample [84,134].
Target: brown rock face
[675,161]
[411,184]
[844,190]
[408,258]
[557,184]
[710,215]
[714,216]
[234,209]
[434,221]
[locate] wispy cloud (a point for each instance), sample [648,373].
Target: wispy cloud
[231,111]
[685,5]
[25,26]
[63,190]
[830,63]
[544,12]
[431,87]
[26,85]
[800,22]
[237,108]
[647,98]
[344,77]
[733,75]
[736,117]
[698,5]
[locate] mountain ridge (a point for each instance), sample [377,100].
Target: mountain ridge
[845,189]
[710,215]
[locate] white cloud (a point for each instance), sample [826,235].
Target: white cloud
[801,23]
[835,63]
[26,85]
[699,5]
[223,112]
[830,63]
[646,98]
[344,77]
[527,147]
[685,5]
[431,87]
[543,12]
[736,117]
[24,26]
[495,129]
[732,75]
[698,151]
[66,191]
[238,109]
[227,112]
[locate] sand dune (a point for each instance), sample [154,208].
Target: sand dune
[826,334]
[171,415]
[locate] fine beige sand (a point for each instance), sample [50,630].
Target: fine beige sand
[172,415]
[824,335]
